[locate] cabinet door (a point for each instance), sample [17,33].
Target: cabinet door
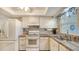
[7,46]
[22,43]
[53,45]
[62,48]
[44,45]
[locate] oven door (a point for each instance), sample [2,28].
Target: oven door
[32,42]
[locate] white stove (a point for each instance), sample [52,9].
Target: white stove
[32,43]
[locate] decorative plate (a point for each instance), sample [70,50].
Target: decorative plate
[72,27]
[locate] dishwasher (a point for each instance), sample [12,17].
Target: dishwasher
[44,44]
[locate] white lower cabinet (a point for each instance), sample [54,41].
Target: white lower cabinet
[53,45]
[63,48]
[22,43]
[7,46]
[44,43]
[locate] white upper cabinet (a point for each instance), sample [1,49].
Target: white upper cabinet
[30,20]
[44,22]
[48,22]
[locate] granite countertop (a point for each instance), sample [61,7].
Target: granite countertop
[72,46]
[44,35]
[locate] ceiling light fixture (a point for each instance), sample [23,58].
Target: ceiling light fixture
[21,8]
[24,8]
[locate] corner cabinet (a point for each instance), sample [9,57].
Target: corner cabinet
[55,46]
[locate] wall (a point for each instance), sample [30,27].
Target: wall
[5,43]
[3,19]
[29,20]
[4,23]
[52,23]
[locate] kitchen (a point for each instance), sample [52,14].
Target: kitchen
[39,29]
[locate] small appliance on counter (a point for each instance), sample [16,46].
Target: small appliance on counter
[54,31]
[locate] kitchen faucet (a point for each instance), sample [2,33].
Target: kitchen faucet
[68,36]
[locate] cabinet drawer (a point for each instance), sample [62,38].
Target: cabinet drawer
[22,41]
[53,45]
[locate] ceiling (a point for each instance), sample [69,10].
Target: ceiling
[33,11]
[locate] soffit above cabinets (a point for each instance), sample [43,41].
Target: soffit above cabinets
[32,11]
[54,11]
